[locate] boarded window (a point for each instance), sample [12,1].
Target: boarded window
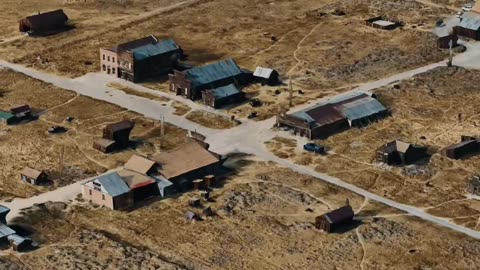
[90,192]
[104,67]
[113,70]
[103,197]
[108,58]
[113,59]
[103,56]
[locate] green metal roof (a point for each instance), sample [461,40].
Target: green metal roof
[6,115]
[153,49]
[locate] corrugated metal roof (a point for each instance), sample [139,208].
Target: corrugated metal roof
[470,20]
[213,72]
[113,184]
[5,230]
[153,49]
[5,115]
[4,209]
[263,72]
[361,108]
[17,239]
[225,91]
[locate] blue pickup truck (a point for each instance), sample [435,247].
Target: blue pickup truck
[315,148]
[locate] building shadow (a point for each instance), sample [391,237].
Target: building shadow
[348,227]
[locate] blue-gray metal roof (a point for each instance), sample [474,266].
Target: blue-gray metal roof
[213,72]
[5,115]
[113,184]
[470,20]
[362,108]
[163,183]
[154,49]
[4,209]
[5,230]
[225,91]
[17,239]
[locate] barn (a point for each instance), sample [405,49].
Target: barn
[44,23]
[109,190]
[140,59]
[190,83]
[221,96]
[355,109]
[332,221]
[400,153]
[266,76]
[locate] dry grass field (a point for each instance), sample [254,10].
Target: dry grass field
[30,144]
[303,38]
[211,120]
[268,226]
[425,111]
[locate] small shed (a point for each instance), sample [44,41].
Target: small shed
[7,118]
[21,111]
[398,153]
[460,150]
[32,176]
[333,220]
[473,185]
[191,216]
[220,96]
[3,214]
[383,23]
[20,243]
[266,76]
[44,23]
[104,145]
[443,42]
[119,132]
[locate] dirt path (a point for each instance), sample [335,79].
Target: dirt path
[361,241]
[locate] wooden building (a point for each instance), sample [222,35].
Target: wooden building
[469,25]
[186,163]
[104,145]
[221,96]
[7,118]
[109,190]
[191,83]
[383,23]
[340,113]
[32,176]
[266,76]
[44,23]
[400,153]
[461,150]
[21,111]
[140,59]
[332,221]
[473,185]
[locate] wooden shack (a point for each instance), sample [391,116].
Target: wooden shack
[266,76]
[21,111]
[119,133]
[399,153]
[383,23]
[460,150]
[333,220]
[469,26]
[221,96]
[44,23]
[32,176]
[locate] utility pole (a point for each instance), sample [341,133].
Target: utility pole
[162,126]
[61,160]
[290,90]
[450,58]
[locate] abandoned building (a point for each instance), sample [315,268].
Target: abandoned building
[473,185]
[400,153]
[443,42]
[32,176]
[7,118]
[469,25]
[266,76]
[8,236]
[19,243]
[142,58]
[461,150]
[340,113]
[116,136]
[383,23]
[332,221]
[21,111]
[108,190]
[221,96]
[44,23]
[186,163]
[191,83]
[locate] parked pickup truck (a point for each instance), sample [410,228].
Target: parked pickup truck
[315,148]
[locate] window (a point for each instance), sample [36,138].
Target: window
[104,67]
[103,56]
[103,197]
[108,57]
[113,70]
[186,91]
[113,59]
[90,192]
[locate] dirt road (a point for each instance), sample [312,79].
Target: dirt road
[249,137]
